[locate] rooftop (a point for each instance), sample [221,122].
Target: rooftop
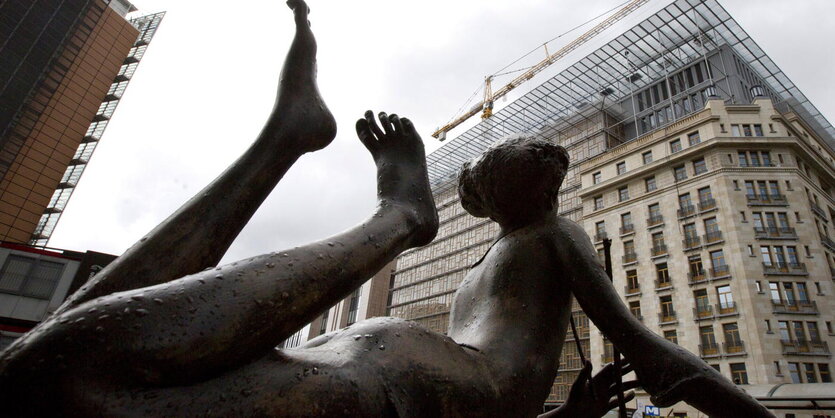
[677,34]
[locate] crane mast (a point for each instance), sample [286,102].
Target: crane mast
[486,105]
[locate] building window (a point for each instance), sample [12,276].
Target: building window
[623,194]
[668,314]
[708,340]
[626,225]
[354,306]
[726,299]
[30,277]
[699,166]
[826,377]
[680,173]
[655,217]
[693,138]
[733,343]
[598,203]
[738,374]
[629,252]
[324,326]
[632,284]
[702,303]
[811,376]
[717,260]
[596,178]
[600,231]
[675,146]
[650,183]
[635,308]
[735,130]
[794,372]
[647,157]
[671,336]
[658,247]
[663,275]
[621,167]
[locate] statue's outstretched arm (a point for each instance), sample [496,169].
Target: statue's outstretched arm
[667,371]
[199,233]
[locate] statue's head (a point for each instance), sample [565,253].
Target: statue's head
[514,181]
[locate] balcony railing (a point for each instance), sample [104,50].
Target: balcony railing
[709,350]
[827,242]
[795,307]
[790,269]
[707,204]
[600,236]
[607,357]
[702,312]
[659,285]
[697,277]
[734,347]
[720,271]
[655,220]
[667,317]
[686,211]
[659,249]
[713,237]
[627,229]
[805,347]
[767,200]
[691,242]
[726,308]
[630,290]
[775,233]
[817,209]
[630,258]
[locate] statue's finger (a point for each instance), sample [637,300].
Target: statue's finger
[396,124]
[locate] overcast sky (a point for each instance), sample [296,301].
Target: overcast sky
[207,84]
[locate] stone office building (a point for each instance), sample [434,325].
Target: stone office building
[628,113]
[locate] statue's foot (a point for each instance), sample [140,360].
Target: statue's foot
[402,179]
[300,114]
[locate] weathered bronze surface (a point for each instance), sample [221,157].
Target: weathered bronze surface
[161,332]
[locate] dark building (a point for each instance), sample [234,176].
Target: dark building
[63,68]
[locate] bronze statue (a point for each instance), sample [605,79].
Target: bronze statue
[162,332]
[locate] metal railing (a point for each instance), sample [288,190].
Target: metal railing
[720,271]
[804,347]
[734,347]
[817,209]
[702,312]
[600,236]
[766,199]
[686,211]
[709,350]
[630,258]
[663,285]
[785,269]
[707,204]
[665,317]
[827,242]
[655,220]
[775,232]
[629,290]
[713,237]
[795,306]
[659,249]
[627,229]
[697,277]
[726,308]
[691,242]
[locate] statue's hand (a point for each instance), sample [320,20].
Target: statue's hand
[598,397]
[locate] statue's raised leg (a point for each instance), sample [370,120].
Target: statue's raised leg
[199,233]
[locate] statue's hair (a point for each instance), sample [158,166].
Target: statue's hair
[515,177]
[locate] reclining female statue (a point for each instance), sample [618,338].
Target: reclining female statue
[162,332]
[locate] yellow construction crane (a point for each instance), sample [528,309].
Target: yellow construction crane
[486,105]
